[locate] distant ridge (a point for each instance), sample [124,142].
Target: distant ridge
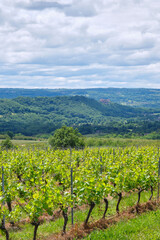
[139,97]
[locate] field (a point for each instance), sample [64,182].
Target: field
[43,188]
[28,143]
[94,140]
[107,141]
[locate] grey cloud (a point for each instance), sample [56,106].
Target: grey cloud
[2,17]
[41,5]
[81,9]
[76,9]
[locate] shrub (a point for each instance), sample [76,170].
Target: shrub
[7,144]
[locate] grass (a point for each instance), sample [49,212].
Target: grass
[28,143]
[101,141]
[144,227]
[48,228]
[94,141]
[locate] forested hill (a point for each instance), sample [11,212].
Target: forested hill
[127,96]
[76,106]
[31,116]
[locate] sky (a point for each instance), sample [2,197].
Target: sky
[79,43]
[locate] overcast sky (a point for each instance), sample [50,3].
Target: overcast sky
[79,43]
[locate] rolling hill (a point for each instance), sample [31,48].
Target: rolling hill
[139,97]
[31,116]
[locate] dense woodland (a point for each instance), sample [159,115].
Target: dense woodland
[43,115]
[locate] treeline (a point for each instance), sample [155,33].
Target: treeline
[130,129]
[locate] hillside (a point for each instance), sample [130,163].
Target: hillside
[127,96]
[31,116]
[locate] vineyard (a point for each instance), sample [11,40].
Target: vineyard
[36,182]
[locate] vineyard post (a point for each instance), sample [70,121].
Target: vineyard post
[72,194]
[3,221]
[42,170]
[158,179]
[101,163]
[83,154]
[71,186]
[113,151]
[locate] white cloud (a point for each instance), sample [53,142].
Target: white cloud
[72,43]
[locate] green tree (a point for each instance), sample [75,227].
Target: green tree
[66,137]
[10,134]
[7,144]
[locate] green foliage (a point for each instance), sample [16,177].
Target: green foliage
[140,97]
[7,144]
[39,181]
[43,115]
[153,135]
[66,137]
[10,134]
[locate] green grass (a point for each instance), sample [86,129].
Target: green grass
[48,228]
[29,143]
[93,141]
[103,141]
[144,227]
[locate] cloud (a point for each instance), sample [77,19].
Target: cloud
[41,5]
[76,9]
[72,43]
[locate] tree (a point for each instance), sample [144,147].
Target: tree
[10,134]
[66,137]
[7,144]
